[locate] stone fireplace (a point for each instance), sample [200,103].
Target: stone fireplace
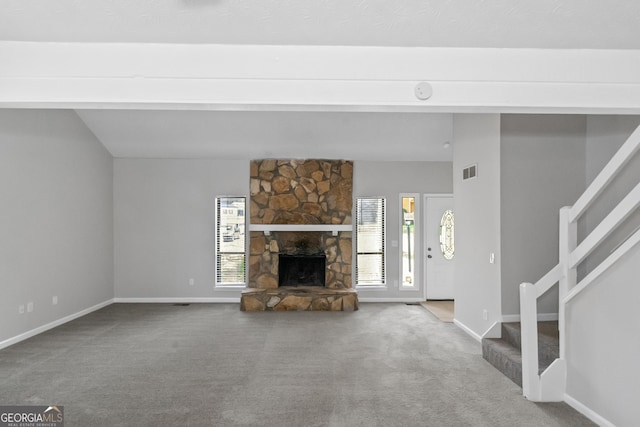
[300,211]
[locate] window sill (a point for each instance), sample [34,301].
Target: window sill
[232,286]
[380,287]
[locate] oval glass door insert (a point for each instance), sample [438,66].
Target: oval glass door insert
[447,245]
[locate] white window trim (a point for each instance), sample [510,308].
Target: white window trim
[372,286]
[416,249]
[230,285]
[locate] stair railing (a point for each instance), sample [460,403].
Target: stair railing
[550,385]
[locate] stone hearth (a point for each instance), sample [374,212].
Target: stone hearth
[299,298]
[300,193]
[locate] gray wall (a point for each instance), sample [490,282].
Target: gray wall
[542,160]
[602,327]
[477,207]
[164,219]
[56,221]
[605,135]
[389,180]
[165,224]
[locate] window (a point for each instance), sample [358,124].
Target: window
[447,245]
[370,241]
[230,241]
[408,218]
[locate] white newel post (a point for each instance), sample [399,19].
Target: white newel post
[529,340]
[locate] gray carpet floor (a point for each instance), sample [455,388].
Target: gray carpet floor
[213,365]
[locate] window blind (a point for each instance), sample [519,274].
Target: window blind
[370,241]
[230,241]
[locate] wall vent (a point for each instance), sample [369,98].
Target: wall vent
[470,172]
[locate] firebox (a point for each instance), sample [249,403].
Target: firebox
[301,270]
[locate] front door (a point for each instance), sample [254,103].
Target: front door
[439,251]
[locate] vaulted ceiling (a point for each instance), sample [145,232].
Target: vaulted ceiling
[540,24]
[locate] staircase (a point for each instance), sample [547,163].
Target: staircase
[550,385]
[505,353]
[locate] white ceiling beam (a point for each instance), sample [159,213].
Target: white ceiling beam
[324,78]
[318,95]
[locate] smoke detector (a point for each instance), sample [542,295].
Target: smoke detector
[423,91]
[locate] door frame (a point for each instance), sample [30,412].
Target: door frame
[425,198]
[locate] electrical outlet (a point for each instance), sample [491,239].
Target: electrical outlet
[54,300]
[29,306]
[485,314]
[21,309]
[192,282]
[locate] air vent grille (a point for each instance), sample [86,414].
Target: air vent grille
[470,172]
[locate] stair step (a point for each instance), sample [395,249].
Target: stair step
[511,333]
[548,340]
[504,357]
[505,353]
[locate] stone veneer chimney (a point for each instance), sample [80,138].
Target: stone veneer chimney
[297,193]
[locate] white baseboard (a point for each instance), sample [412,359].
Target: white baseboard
[40,329]
[494,331]
[179,300]
[587,412]
[468,330]
[400,299]
[542,317]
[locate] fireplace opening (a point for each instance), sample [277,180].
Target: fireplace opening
[301,270]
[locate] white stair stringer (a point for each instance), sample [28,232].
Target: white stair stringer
[553,382]
[550,384]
